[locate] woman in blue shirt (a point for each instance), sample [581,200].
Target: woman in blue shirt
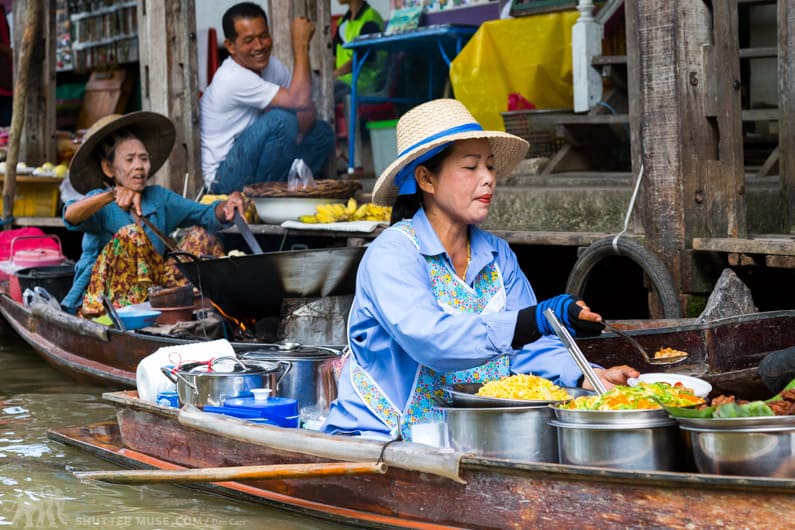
[438,300]
[121,258]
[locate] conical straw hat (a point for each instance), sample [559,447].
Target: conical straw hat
[155,131]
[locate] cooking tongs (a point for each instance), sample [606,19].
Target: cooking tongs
[575,351]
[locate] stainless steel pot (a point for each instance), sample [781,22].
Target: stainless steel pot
[520,433]
[757,446]
[312,380]
[637,440]
[202,384]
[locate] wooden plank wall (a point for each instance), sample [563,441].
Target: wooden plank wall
[169,84]
[37,140]
[684,114]
[786,104]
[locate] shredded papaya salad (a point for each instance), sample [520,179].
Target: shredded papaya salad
[642,396]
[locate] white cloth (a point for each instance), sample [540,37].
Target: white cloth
[233,101]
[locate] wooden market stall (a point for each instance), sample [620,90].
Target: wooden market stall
[699,208]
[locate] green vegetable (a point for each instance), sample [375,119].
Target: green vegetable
[728,410]
[757,408]
[689,412]
[748,410]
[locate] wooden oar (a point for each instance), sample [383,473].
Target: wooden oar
[218,474]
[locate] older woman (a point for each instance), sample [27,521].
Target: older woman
[438,300]
[121,257]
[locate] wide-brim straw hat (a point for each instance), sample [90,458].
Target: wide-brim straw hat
[155,131]
[435,123]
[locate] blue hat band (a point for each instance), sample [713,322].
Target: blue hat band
[441,134]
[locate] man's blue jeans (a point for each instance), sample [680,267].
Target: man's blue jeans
[265,151]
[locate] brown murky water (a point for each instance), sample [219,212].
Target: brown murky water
[38,490]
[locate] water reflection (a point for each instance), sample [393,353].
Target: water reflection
[38,489]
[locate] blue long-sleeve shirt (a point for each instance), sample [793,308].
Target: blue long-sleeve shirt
[164,208]
[394,312]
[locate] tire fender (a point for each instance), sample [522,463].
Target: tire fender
[652,266]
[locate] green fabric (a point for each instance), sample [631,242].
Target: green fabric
[350,28]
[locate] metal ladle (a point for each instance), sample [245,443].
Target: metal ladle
[674,359]
[575,352]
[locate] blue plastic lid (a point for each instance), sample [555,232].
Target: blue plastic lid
[229,411]
[276,405]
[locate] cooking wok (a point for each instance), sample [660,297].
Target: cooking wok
[253,287]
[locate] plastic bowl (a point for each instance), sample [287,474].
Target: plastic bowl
[276,210]
[700,387]
[137,318]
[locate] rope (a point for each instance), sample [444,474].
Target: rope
[629,211]
[383,450]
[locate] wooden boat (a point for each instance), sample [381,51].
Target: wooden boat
[482,493]
[83,349]
[725,352]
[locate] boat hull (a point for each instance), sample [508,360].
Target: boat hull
[497,493]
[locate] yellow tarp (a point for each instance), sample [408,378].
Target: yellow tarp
[527,55]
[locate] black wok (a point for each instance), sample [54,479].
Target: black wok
[253,287]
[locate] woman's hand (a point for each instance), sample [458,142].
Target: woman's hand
[228,207]
[127,199]
[610,377]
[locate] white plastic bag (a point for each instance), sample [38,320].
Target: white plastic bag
[40,294]
[300,176]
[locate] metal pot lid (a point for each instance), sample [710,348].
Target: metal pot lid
[290,351]
[223,366]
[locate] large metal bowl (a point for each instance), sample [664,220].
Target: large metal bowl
[465,395]
[743,446]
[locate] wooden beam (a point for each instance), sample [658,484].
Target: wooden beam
[37,141]
[169,84]
[683,61]
[780,246]
[786,104]
[321,53]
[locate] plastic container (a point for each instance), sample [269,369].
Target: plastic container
[383,137]
[137,318]
[57,280]
[168,398]
[36,196]
[282,411]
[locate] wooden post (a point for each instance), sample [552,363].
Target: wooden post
[786,105]
[684,112]
[280,16]
[169,84]
[27,15]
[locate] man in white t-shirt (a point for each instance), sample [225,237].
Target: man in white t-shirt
[256,117]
